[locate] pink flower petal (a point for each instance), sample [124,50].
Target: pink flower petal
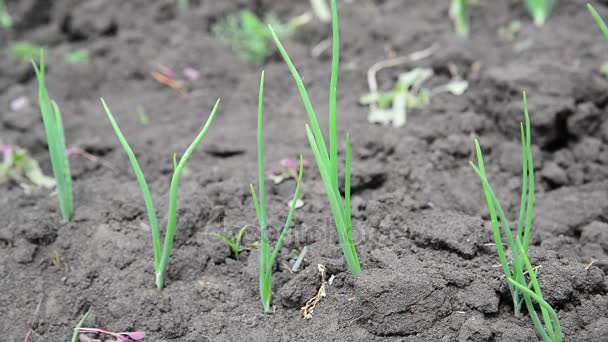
[94,330]
[135,335]
[288,163]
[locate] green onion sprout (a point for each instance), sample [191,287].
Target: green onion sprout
[328,162]
[79,325]
[266,258]
[525,212]
[540,10]
[161,257]
[599,21]
[53,125]
[234,242]
[460,15]
[518,244]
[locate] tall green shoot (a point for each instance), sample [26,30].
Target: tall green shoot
[497,214]
[540,10]
[518,244]
[53,125]
[460,15]
[598,20]
[266,258]
[327,162]
[161,255]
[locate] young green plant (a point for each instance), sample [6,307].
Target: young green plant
[540,10]
[161,256]
[460,16]
[598,20]
[53,125]
[499,219]
[234,242]
[266,257]
[520,290]
[327,162]
[25,52]
[249,35]
[550,329]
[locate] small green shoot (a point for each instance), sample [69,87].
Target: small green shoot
[509,32]
[266,258]
[77,56]
[18,166]
[327,162]
[249,36]
[518,244]
[598,20]
[25,52]
[79,325]
[525,211]
[53,125]
[551,332]
[460,16]
[161,256]
[6,21]
[540,10]
[234,242]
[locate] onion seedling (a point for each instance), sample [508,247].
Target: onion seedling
[161,257]
[53,125]
[460,15]
[328,162]
[551,332]
[79,325]
[249,36]
[598,20]
[266,258]
[540,10]
[525,211]
[234,242]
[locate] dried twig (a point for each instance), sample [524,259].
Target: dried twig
[309,308]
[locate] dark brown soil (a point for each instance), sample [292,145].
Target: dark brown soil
[420,220]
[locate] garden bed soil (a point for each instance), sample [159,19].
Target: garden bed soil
[429,269]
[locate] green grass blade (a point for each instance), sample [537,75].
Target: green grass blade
[540,10]
[239,238]
[318,135]
[261,174]
[530,165]
[524,183]
[292,209]
[333,94]
[79,325]
[142,184]
[51,117]
[171,216]
[265,266]
[347,188]
[598,20]
[338,211]
[459,12]
[64,181]
[544,304]
[537,289]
